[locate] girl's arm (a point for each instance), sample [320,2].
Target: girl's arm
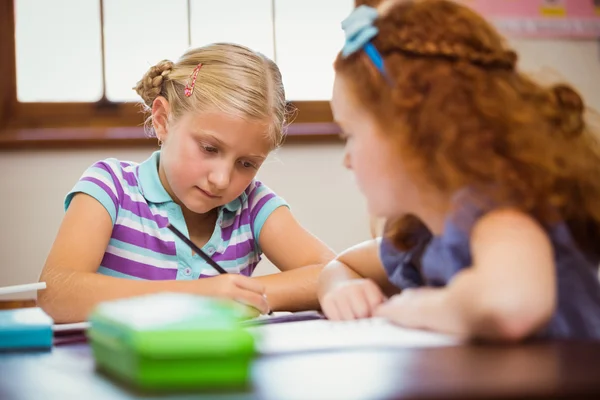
[299,255]
[74,287]
[358,262]
[508,294]
[355,283]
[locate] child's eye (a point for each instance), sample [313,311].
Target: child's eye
[248,164]
[210,149]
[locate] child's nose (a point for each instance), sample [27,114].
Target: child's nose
[220,178]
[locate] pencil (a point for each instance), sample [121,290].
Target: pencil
[196,249]
[202,254]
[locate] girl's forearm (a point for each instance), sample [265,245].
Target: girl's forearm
[334,273]
[294,290]
[435,309]
[71,295]
[474,309]
[454,309]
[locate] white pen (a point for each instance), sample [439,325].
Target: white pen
[22,288]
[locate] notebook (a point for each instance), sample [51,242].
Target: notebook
[66,329]
[277,317]
[286,332]
[324,335]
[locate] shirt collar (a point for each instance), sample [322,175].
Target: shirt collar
[236,203]
[152,188]
[154,191]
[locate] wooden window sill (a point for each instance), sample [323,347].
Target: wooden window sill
[68,138]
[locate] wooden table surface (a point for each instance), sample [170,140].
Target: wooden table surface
[534,370]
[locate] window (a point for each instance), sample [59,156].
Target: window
[76,60]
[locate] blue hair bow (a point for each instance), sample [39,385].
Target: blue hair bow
[359,30]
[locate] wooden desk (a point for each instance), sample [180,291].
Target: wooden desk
[537,370]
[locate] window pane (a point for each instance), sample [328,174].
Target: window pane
[137,35]
[58,50]
[245,22]
[309,35]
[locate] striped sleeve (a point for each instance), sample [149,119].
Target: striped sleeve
[262,201]
[102,182]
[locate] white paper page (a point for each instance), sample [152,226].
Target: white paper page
[76,326]
[81,326]
[320,335]
[275,314]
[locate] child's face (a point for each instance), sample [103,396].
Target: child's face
[372,157]
[208,160]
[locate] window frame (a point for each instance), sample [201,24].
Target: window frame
[103,123]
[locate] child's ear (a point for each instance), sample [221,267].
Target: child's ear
[160,117]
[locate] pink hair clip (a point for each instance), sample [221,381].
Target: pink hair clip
[189,87]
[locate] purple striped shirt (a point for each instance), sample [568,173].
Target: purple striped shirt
[141,247]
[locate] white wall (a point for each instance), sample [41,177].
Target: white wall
[576,61]
[309,177]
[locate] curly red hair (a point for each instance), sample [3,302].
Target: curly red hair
[463,116]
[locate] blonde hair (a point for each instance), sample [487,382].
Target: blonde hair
[233,79]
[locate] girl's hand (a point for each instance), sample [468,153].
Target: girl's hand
[242,289]
[409,308]
[352,299]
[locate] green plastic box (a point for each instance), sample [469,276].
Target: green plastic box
[172,341]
